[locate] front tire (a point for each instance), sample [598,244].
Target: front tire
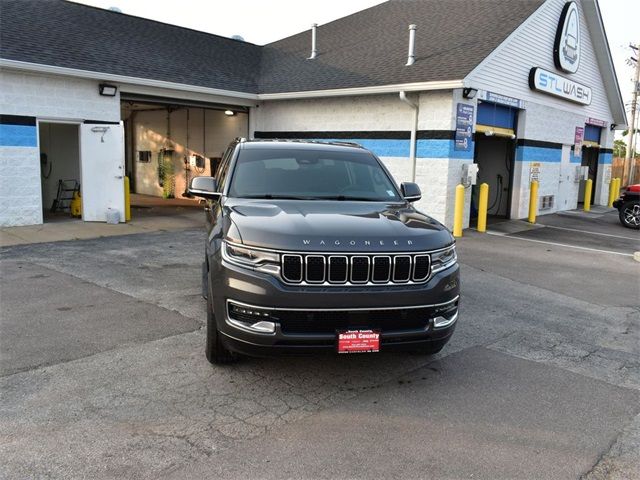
[216,352]
[630,215]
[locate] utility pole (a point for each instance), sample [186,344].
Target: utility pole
[629,158]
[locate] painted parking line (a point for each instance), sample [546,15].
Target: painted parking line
[593,233]
[576,247]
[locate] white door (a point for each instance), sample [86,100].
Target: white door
[102,166]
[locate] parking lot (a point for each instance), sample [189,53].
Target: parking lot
[104,374]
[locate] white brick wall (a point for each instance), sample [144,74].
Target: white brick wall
[20,191]
[541,122]
[44,97]
[59,97]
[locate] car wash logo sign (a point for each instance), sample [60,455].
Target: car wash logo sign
[566,57]
[559,86]
[566,49]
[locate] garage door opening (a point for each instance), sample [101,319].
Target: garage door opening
[590,155]
[495,144]
[167,143]
[59,169]
[494,156]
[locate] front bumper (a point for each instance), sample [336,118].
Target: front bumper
[618,203]
[360,305]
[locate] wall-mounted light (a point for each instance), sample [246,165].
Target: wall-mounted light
[229,113]
[613,126]
[469,93]
[107,90]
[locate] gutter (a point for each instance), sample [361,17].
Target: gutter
[146,82]
[123,79]
[414,131]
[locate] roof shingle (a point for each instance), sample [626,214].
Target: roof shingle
[368,48]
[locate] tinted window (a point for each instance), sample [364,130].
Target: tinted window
[313,174]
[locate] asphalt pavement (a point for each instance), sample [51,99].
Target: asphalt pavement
[104,375]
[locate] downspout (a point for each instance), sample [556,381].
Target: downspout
[414,134]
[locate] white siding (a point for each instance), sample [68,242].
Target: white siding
[506,70]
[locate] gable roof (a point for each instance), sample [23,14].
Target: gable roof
[71,35]
[368,48]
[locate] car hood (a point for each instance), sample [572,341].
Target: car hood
[332,226]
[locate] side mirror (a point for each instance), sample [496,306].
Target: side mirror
[204,187]
[411,191]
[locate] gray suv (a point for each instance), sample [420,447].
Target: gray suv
[312,247]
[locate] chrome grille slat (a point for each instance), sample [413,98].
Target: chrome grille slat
[356,275]
[398,267]
[355,269]
[315,268]
[336,263]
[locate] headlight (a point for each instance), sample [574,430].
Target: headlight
[247,257]
[444,259]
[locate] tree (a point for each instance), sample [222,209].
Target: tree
[619,148]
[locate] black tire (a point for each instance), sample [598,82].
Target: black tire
[205,280]
[629,215]
[216,352]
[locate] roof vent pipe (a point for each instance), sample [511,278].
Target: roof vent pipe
[314,50]
[411,59]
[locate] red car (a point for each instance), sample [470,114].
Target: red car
[629,207]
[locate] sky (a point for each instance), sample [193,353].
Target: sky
[263,21]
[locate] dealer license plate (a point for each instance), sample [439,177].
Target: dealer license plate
[359,341]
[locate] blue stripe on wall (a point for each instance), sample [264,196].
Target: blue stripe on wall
[381,147]
[18,136]
[605,158]
[442,149]
[574,159]
[538,154]
[425,148]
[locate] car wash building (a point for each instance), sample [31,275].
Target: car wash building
[433,87]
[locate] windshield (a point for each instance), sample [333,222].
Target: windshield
[311,174]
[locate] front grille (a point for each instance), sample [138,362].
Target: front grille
[327,322]
[355,269]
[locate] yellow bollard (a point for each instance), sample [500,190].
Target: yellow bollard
[127,200]
[612,190]
[483,202]
[616,190]
[533,201]
[587,195]
[458,212]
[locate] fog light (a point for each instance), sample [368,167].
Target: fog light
[445,321]
[253,319]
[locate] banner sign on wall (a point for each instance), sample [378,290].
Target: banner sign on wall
[500,99]
[596,122]
[559,86]
[464,127]
[577,141]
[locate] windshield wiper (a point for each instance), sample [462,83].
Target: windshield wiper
[269,196]
[348,197]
